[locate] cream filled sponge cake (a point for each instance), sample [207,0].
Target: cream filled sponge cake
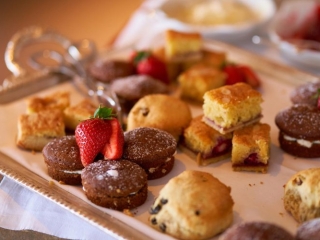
[251,148]
[231,107]
[204,143]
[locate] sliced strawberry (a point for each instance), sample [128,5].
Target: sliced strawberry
[250,76]
[91,136]
[234,75]
[153,67]
[114,147]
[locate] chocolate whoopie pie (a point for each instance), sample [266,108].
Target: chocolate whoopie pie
[109,70]
[256,230]
[299,130]
[152,149]
[62,157]
[306,93]
[115,184]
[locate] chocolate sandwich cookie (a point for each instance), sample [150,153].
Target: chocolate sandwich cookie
[152,149]
[256,230]
[299,130]
[109,70]
[306,93]
[115,184]
[130,89]
[62,157]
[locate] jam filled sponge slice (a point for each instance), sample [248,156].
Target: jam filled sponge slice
[192,205]
[231,107]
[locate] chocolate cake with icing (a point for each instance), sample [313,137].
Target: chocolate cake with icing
[116,184]
[306,93]
[62,158]
[232,107]
[299,133]
[152,149]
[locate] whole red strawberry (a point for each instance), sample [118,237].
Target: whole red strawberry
[93,134]
[148,64]
[234,74]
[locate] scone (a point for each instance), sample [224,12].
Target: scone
[62,158]
[299,133]
[301,195]
[152,149]
[118,185]
[231,107]
[199,79]
[73,115]
[256,230]
[205,144]
[193,205]
[182,46]
[37,129]
[251,148]
[160,111]
[58,100]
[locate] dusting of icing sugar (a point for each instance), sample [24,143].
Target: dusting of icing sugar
[309,228]
[113,173]
[99,177]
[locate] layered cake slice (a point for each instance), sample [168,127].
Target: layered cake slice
[204,143]
[251,148]
[231,107]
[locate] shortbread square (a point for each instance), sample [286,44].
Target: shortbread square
[73,115]
[58,100]
[199,79]
[204,144]
[35,130]
[182,46]
[231,107]
[251,148]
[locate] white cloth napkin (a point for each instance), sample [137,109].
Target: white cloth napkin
[24,209]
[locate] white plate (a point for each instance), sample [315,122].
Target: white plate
[257,197]
[264,10]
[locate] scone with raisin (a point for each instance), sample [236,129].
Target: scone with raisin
[193,205]
[160,111]
[302,193]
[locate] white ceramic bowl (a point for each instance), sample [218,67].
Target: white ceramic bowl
[284,24]
[264,10]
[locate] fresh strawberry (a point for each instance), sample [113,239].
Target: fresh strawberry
[153,67]
[250,76]
[114,147]
[93,134]
[234,75]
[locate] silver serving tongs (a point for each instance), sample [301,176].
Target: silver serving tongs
[71,63]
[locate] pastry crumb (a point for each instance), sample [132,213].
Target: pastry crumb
[51,183]
[62,182]
[128,212]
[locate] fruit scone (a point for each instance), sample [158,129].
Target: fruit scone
[205,144]
[302,194]
[232,107]
[251,148]
[193,205]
